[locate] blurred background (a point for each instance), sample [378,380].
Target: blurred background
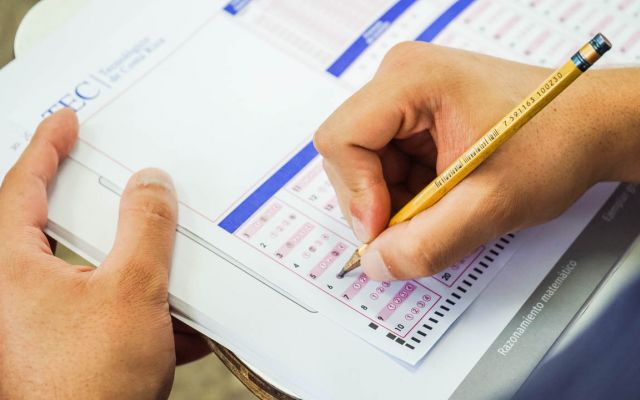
[204,379]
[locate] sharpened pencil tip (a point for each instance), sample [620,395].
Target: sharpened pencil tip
[353,263]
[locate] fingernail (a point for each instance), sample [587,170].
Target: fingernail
[155,177]
[359,230]
[374,266]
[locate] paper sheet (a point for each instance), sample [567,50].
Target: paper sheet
[226,97]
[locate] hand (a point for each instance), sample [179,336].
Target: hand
[424,107]
[70,331]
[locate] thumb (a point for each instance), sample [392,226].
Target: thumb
[470,215]
[350,141]
[141,256]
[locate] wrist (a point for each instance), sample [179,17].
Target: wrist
[611,106]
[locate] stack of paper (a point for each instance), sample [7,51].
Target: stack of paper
[225,97]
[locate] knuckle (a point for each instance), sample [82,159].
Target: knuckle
[331,174]
[140,280]
[50,154]
[425,261]
[500,207]
[23,173]
[153,203]
[326,166]
[402,52]
[155,210]
[421,256]
[403,55]
[323,141]
[12,176]
[368,187]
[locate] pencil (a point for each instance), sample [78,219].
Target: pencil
[496,136]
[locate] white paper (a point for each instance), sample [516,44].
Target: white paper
[225,102]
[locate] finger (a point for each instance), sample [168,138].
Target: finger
[420,146]
[190,345]
[419,176]
[350,140]
[395,165]
[464,219]
[338,187]
[141,255]
[400,196]
[23,195]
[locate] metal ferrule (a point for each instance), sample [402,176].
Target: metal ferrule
[580,62]
[591,52]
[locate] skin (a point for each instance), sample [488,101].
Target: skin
[71,331]
[424,107]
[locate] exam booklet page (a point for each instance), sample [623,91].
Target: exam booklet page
[226,98]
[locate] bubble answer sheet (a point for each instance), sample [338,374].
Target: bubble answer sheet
[226,97]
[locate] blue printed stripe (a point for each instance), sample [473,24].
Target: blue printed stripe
[373,32]
[282,176]
[235,6]
[443,20]
[251,204]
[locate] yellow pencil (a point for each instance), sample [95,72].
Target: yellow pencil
[496,136]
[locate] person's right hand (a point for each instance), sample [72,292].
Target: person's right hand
[424,107]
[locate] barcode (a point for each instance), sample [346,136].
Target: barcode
[448,174]
[467,157]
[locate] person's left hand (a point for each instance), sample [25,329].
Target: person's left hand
[70,331]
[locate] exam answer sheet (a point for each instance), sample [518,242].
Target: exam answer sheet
[226,98]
